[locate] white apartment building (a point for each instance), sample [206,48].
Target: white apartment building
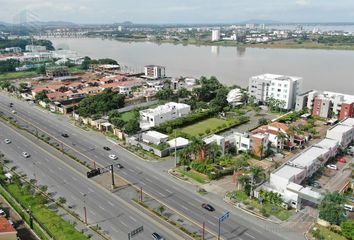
[279,87]
[154,72]
[35,48]
[344,134]
[153,117]
[215,35]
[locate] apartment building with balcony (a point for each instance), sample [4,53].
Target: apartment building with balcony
[154,72]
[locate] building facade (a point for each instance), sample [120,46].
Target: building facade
[154,117]
[154,72]
[215,35]
[282,88]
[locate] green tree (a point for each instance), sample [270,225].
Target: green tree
[41,96]
[263,121]
[183,93]
[165,94]
[347,227]
[331,208]
[132,127]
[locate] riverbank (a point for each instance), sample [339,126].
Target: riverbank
[285,44]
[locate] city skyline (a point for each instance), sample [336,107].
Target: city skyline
[173,11]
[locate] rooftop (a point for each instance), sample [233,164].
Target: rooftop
[179,142]
[287,171]
[327,143]
[268,76]
[5,226]
[164,108]
[340,129]
[156,134]
[348,122]
[307,157]
[212,138]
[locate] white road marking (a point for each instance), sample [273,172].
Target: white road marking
[114,229]
[168,191]
[184,208]
[125,225]
[142,183]
[110,203]
[101,207]
[132,218]
[211,223]
[90,190]
[250,235]
[161,194]
[74,178]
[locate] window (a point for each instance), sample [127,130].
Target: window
[285,96]
[279,84]
[278,95]
[285,85]
[279,90]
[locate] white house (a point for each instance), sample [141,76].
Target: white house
[279,87]
[153,117]
[234,97]
[154,137]
[219,140]
[154,72]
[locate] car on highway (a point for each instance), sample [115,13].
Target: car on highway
[13,112]
[113,157]
[120,166]
[332,166]
[157,236]
[208,207]
[7,141]
[25,154]
[106,148]
[65,135]
[11,104]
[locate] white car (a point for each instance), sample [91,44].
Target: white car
[7,141]
[25,155]
[13,112]
[2,213]
[113,157]
[332,166]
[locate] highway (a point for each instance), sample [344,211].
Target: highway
[112,214]
[180,196]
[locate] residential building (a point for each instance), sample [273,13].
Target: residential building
[154,137]
[279,87]
[153,117]
[105,68]
[60,71]
[7,231]
[13,49]
[328,104]
[35,48]
[154,72]
[256,144]
[217,139]
[178,143]
[57,96]
[286,180]
[215,35]
[343,133]
[301,101]
[123,87]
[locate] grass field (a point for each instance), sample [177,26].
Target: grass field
[57,226]
[128,116]
[202,126]
[17,74]
[328,234]
[198,177]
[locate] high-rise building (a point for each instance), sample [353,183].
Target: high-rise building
[154,72]
[215,35]
[279,87]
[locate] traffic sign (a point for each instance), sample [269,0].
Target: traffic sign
[224,217]
[135,232]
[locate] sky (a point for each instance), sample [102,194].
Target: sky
[180,11]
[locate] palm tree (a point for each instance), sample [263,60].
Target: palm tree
[257,172]
[242,181]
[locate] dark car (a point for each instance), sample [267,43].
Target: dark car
[106,148]
[208,207]
[65,135]
[11,104]
[157,236]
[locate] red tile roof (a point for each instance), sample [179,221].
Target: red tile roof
[115,78]
[56,95]
[39,89]
[5,226]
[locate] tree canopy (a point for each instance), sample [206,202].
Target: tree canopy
[331,208]
[101,103]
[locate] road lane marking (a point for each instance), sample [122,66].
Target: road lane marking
[101,207]
[125,225]
[250,235]
[133,219]
[74,178]
[110,203]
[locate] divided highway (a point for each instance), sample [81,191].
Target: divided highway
[113,215]
[148,175]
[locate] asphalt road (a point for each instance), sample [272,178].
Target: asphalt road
[113,215]
[175,194]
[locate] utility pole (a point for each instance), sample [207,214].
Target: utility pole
[203,231]
[85,213]
[112,172]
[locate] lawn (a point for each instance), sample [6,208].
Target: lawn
[326,233]
[128,116]
[18,74]
[239,196]
[201,178]
[201,127]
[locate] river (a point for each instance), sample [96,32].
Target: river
[331,70]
